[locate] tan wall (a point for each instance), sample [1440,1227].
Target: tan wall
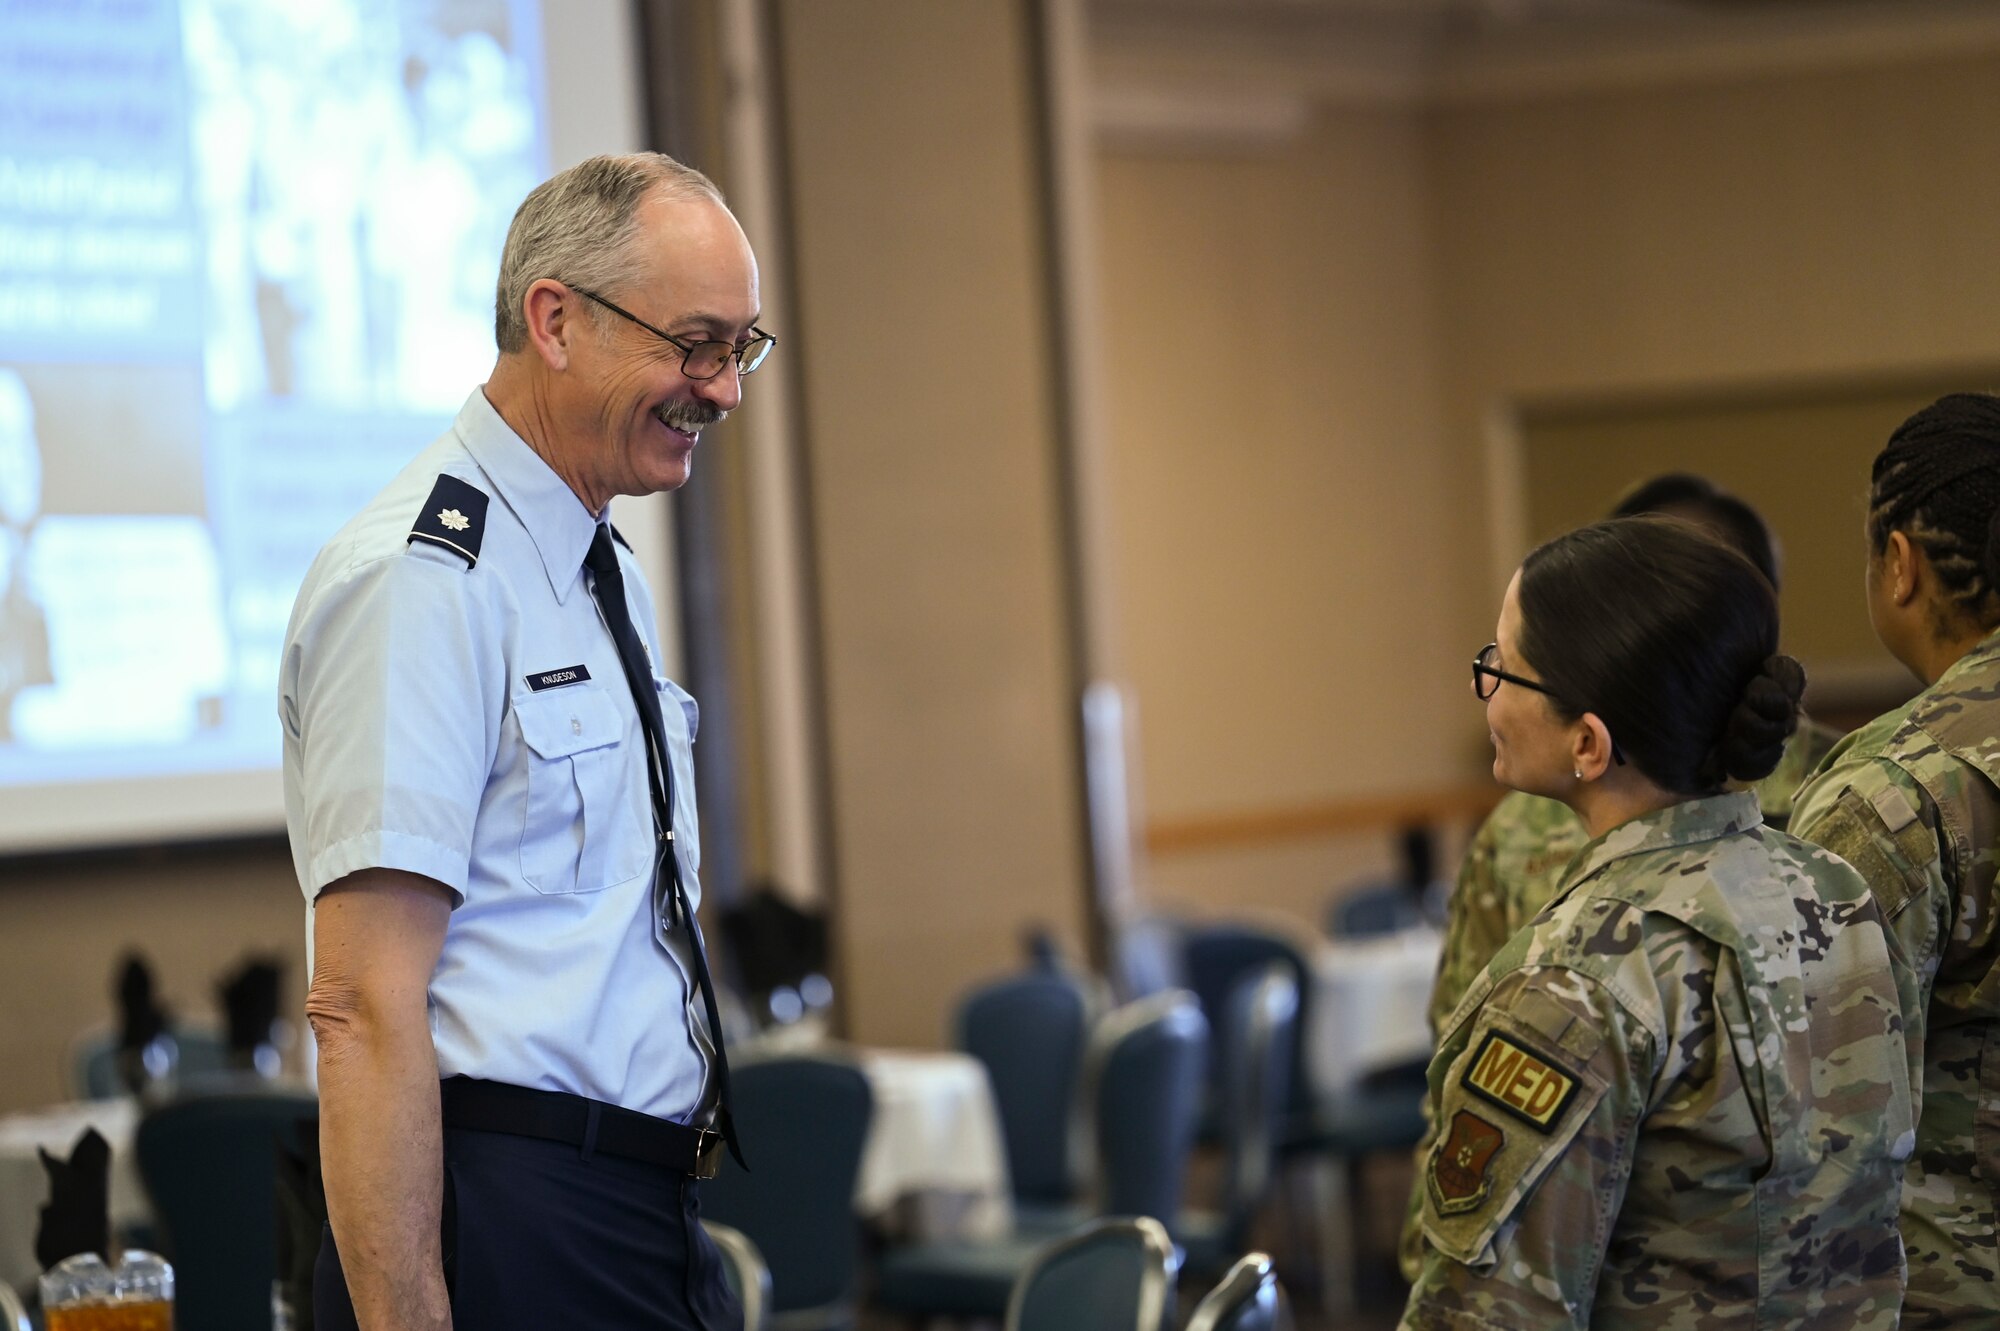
[1734,233]
[1285,502]
[195,913]
[1307,546]
[922,298]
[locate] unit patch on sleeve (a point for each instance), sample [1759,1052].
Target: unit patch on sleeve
[1525,1084]
[1459,1164]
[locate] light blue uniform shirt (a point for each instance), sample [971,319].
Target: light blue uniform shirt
[414,740]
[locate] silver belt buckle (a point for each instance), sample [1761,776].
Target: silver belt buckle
[707,1153]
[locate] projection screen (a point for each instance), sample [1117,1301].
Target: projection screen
[247,254]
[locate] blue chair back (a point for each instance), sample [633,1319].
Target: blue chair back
[209,1163]
[1029,1032]
[1262,1027]
[802,1121]
[1248,1299]
[1145,1073]
[1112,1275]
[743,1266]
[1220,957]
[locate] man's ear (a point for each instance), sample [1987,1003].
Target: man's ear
[546,308]
[1590,747]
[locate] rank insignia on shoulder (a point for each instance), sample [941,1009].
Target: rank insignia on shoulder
[1459,1164]
[1527,1085]
[453,517]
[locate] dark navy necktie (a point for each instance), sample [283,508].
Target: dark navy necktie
[608,586]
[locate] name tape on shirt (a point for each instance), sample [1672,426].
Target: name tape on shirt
[555,679]
[1525,1084]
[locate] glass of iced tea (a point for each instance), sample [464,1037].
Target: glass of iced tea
[81,1293]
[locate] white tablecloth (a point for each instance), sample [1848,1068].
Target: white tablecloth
[24,1186]
[934,1146]
[1369,1004]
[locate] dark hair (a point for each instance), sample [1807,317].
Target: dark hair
[1937,481]
[1684,494]
[1671,638]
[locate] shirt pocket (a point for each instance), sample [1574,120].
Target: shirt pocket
[570,833]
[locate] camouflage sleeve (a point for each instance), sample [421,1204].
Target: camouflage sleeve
[1475,927]
[1538,1115]
[1876,817]
[1476,924]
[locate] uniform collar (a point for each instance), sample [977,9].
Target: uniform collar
[556,520]
[1683,824]
[1978,659]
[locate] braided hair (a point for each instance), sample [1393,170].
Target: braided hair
[1937,481]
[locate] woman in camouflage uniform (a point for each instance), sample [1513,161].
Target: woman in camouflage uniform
[1912,800]
[1517,857]
[1680,1096]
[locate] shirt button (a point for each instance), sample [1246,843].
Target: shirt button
[575,726]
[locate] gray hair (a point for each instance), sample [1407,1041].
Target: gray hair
[577,227]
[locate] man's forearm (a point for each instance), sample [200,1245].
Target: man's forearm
[381,1152]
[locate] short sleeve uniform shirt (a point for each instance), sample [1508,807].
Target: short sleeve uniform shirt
[456,708]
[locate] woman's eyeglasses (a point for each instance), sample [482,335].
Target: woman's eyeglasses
[1487,677]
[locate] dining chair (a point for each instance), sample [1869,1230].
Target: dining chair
[1261,1023]
[803,1120]
[1217,958]
[1249,1298]
[1029,1033]
[1143,1077]
[1115,1274]
[743,1266]
[210,1166]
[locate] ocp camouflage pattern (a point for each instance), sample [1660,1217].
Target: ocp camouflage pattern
[1912,800]
[1512,869]
[1719,994]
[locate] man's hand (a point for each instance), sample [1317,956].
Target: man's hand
[376,939]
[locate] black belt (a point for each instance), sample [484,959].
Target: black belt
[576,1120]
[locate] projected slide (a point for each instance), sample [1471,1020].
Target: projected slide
[247,253]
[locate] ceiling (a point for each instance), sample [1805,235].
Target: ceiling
[1258,66]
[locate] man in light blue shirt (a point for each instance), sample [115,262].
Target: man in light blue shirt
[490,793]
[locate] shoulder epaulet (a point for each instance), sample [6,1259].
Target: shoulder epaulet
[619,537]
[453,517]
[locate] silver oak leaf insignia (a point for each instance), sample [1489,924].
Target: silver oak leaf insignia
[454,519]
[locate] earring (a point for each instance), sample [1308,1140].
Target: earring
[1579,774]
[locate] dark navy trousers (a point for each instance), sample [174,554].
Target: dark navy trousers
[539,1235]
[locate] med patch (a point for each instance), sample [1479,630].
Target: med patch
[1460,1165]
[1533,1088]
[453,517]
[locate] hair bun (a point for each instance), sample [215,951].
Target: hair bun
[1765,716]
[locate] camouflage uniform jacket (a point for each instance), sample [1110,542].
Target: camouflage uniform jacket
[1517,858]
[1678,1099]
[1912,800]
[1512,869]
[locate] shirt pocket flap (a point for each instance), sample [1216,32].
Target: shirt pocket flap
[674,693]
[568,721]
[1894,861]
